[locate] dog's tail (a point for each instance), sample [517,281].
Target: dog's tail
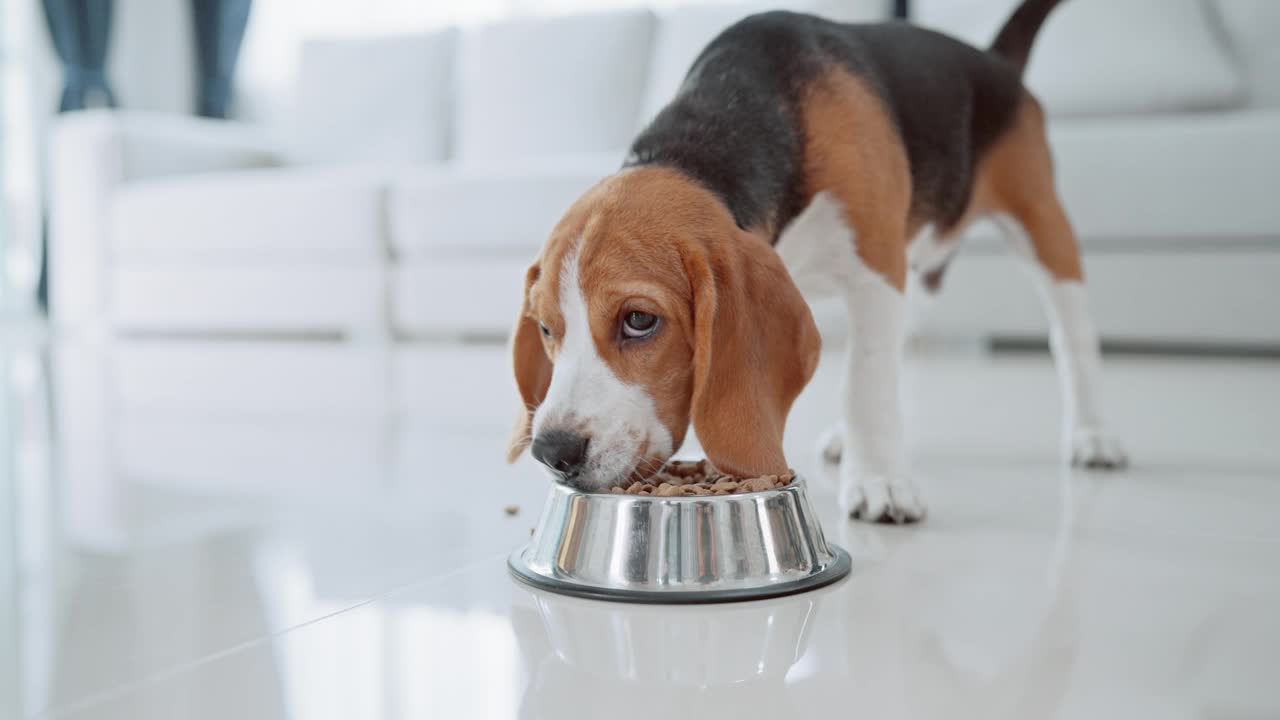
[1015,39]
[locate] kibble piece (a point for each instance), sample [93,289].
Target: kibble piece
[511,510]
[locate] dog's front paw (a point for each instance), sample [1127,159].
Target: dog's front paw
[1097,450]
[880,498]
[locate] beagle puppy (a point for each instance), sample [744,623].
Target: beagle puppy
[800,158]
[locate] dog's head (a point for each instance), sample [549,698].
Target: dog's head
[649,308]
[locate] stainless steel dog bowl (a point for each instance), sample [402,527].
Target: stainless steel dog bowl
[699,549]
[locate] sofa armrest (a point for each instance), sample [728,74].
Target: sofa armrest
[91,155]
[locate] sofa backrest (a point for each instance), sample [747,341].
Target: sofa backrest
[542,86]
[1107,57]
[376,100]
[530,88]
[1253,27]
[517,90]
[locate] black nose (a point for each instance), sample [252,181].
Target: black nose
[561,451]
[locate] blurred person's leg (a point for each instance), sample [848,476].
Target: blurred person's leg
[219,29]
[80,31]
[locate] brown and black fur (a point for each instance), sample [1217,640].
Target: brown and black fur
[783,105]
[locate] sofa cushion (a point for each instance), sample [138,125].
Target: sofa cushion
[424,295]
[252,297]
[1209,177]
[271,376]
[543,86]
[1142,56]
[1177,181]
[684,31]
[375,100]
[1180,297]
[1252,26]
[434,211]
[316,215]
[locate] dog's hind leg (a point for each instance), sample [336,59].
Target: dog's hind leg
[1020,175]
[1073,340]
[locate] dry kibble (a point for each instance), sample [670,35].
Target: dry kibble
[511,510]
[687,479]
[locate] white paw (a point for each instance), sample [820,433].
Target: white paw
[874,497]
[831,444]
[1096,450]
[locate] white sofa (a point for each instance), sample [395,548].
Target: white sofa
[422,173]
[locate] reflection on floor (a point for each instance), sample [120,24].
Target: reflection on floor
[263,530]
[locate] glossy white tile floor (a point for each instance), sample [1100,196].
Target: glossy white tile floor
[247,530]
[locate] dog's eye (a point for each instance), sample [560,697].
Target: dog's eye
[639,324]
[545,330]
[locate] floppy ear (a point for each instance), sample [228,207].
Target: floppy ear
[755,348]
[532,369]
